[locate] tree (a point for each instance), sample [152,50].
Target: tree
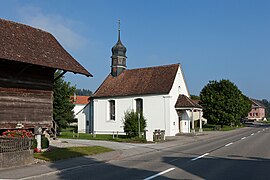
[223,103]
[62,106]
[131,123]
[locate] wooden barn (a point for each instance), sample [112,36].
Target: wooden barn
[28,59]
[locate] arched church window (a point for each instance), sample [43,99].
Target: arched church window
[112,109]
[139,105]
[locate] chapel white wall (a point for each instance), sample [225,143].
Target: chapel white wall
[81,112]
[179,87]
[153,109]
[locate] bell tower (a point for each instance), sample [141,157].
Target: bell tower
[118,56]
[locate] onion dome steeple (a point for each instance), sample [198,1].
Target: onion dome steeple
[119,49]
[118,56]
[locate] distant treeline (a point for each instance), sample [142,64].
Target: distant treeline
[83,92]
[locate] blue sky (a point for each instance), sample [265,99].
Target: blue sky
[212,39]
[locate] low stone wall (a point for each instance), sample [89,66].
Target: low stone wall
[19,158]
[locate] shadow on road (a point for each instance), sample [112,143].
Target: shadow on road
[232,167]
[89,168]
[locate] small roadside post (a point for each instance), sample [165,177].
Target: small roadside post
[38,132]
[139,125]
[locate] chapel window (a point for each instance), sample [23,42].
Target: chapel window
[112,109]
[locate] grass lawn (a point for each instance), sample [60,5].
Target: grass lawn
[71,152]
[266,122]
[104,137]
[213,127]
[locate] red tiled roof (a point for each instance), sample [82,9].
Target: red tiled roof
[185,102]
[22,43]
[152,80]
[80,99]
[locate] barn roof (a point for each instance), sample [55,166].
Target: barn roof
[22,43]
[142,81]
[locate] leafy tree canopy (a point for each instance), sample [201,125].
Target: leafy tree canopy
[131,123]
[62,106]
[224,103]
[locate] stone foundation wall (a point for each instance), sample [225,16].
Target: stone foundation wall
[19,158]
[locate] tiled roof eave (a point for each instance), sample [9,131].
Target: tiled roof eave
[129,95]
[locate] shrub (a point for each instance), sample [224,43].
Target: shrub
[34,144]
[44,143]
[131,123]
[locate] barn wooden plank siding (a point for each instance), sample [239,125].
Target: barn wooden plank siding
[26,95]
[27,107]
[29,58]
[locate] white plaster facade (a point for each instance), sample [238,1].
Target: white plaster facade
[82,114]
[159,111]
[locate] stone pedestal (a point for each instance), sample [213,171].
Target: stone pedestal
[38,138]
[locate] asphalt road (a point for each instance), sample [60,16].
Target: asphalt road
[240,154]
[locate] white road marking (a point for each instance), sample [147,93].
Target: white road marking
[228,144]
[263,129]
[158,174]
[194,159]
[252,134]
[259,131]
[243,138]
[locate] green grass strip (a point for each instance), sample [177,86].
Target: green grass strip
[103,137]
[71,152]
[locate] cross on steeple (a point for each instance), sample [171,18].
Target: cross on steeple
[119,30]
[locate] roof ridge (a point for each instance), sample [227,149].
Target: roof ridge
[152,67]
[21,24]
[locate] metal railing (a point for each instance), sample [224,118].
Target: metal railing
[13,144]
